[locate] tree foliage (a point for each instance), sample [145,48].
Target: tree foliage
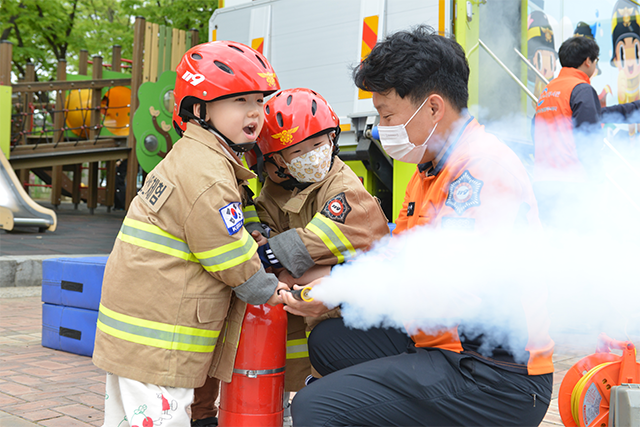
[42,32]
[181,14]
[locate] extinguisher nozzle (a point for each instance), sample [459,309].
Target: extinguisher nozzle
[302,294]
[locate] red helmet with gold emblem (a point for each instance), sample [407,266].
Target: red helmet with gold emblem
[292,116]
[219,69]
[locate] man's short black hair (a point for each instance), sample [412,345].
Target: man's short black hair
[575,50]
[416,63]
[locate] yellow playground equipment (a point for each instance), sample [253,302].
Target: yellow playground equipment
[114,106]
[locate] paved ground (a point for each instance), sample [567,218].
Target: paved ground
[44,387]
[78,232]
[40,386]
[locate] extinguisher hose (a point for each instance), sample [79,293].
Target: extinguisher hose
[577,391]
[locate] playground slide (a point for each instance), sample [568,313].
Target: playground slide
[17,209]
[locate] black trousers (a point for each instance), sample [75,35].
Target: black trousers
[378,378]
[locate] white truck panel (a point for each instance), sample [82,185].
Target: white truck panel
[316,43]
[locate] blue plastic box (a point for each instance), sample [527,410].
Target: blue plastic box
[73,282]
[69,329]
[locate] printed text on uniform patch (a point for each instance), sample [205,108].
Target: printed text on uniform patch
[156,191]
[464,193]
[337,208]
[232,217]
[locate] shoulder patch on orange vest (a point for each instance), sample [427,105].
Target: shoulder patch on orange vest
[464,192]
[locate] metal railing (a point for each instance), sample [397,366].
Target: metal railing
[531,66]
[504,67]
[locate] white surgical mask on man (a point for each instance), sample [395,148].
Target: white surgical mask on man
[395,141]
[312,166]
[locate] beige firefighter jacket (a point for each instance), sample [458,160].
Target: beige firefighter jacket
[323,224]
[180,272]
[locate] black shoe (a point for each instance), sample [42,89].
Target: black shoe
[207,422]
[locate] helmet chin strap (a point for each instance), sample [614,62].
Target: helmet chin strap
[238,148]
[290,183]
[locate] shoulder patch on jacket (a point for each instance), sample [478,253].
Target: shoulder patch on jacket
[232,217]
[464,193]
[156,191]
[337,208]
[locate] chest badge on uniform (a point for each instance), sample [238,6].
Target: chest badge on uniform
[464,193]
[411,207]
[337,208]
[232,217]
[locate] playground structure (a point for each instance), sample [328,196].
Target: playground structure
[59,126]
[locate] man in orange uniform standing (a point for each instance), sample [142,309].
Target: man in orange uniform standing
[568,138]
[466,179]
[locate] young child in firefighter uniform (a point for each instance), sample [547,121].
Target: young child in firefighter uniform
[318,211]
[183,267]
[466,180]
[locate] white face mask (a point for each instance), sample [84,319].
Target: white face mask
[395,141]
[312,166]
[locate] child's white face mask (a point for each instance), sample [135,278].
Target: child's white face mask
[312,166]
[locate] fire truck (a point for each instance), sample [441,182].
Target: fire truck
[316,44]
[511,47]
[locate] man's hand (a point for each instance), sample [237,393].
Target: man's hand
[276,298]
[313,308]
[259,238]
[315,272]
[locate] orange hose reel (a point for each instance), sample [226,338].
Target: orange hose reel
[583,399]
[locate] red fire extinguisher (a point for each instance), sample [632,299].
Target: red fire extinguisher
[254,397]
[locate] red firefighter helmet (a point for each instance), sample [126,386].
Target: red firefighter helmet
[294,115]
[219,69]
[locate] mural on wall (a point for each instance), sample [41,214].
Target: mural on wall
[614,25]
[625,34]
[541,50]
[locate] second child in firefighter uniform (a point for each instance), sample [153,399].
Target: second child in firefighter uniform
[183,267]
[319,212]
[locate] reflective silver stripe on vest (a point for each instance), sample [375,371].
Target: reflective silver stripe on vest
[229,255]
[158,337]
[155,238]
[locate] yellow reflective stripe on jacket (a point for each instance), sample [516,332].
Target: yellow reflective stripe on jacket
[156,334]
[331,235]
[229,255]
[297,349]
[154,238]
[250,214]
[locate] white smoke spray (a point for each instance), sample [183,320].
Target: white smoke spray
[432,280]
